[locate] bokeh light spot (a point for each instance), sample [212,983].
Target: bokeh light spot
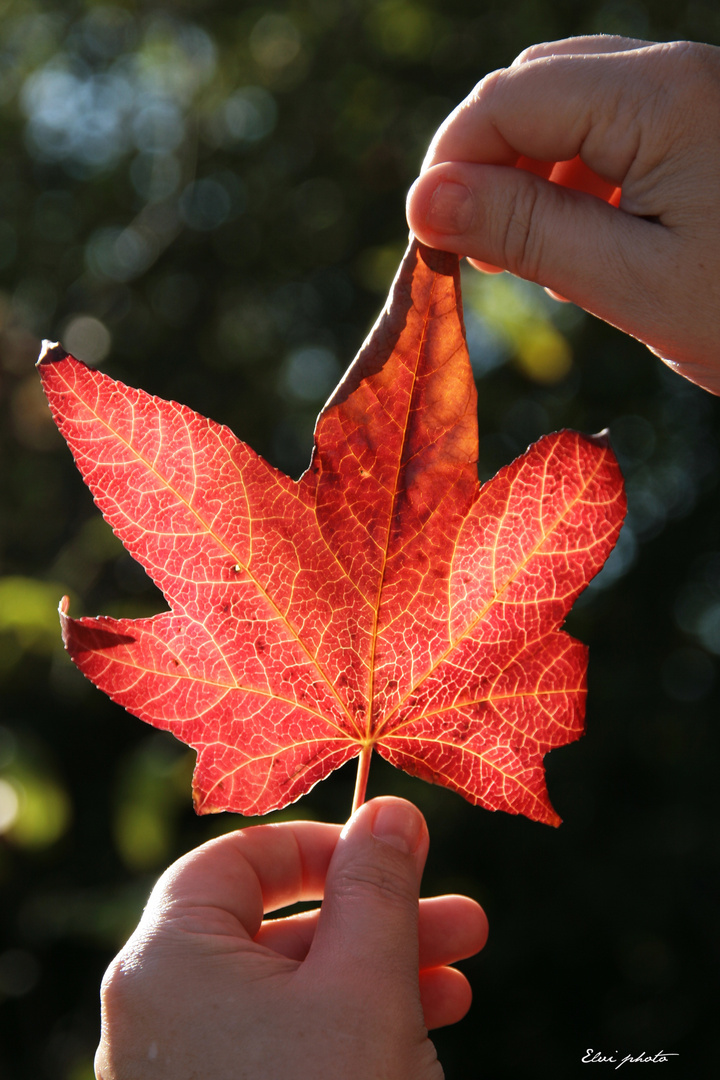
[9,805]
[118,254]
[274,41]
[205,204]
[250,114]
[43,814]
[310,373]
[543,354]
[87,338]
[402,29]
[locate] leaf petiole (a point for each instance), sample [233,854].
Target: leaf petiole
[362,776]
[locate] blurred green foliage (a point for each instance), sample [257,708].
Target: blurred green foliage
[207,198]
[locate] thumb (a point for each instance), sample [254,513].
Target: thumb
[607,261]
[543,231]
[368,923]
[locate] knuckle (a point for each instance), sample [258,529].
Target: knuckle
[127,1001]
[486,89]
[116,988]
[378,883]
[679,75]
[532,52]
[694,69]
[520,241]
[127,983]
[692,57]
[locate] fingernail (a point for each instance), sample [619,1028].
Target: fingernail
[398,824]
[451,208]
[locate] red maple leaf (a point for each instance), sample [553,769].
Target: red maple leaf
[384,601]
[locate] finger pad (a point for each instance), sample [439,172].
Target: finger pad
[446,996]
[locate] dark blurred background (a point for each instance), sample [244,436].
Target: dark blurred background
[206,198]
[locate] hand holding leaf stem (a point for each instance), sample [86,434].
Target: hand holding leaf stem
[206,987]
[609,120]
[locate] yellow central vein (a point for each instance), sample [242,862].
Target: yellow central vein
[391,518]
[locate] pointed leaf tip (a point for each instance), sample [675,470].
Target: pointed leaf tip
[50,353]
[601,438]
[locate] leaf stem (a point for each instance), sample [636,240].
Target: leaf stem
[362,776]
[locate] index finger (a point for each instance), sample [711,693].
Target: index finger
[228,883]
[553,108]
[586,44]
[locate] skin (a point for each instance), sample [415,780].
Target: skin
[207,987]
[616,114]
